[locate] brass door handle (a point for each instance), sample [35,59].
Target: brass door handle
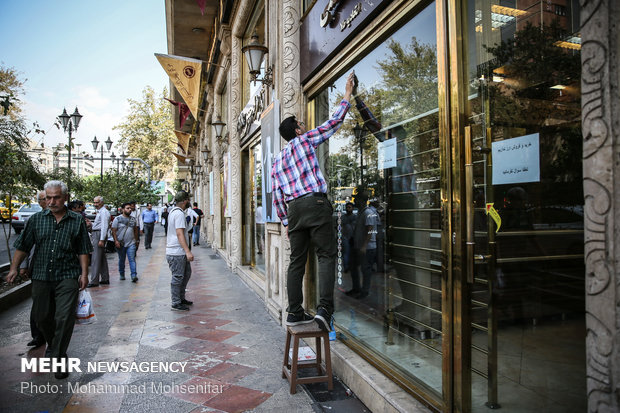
[469,206]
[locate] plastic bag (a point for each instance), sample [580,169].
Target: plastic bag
[85,313]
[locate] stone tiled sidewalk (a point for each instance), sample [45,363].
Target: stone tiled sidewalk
[233,349]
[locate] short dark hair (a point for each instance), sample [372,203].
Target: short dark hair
[125,204]
[362,195]
[287,128]
[195,204]
[72,205]
[181,196]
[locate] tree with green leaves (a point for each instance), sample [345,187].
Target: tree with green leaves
[407,88]
[11,86]
[117,188]
[148,132]
[20,176]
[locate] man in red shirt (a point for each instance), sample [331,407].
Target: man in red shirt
[300,198]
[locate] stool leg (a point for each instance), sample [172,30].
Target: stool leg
[286,350]
[328,363]
[319,368]
[294,364]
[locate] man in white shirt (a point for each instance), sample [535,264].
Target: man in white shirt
[99,273]
[178,254]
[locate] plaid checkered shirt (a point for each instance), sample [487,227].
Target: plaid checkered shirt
[296,171]
[58,245]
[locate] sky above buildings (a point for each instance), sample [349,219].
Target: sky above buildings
[91,54]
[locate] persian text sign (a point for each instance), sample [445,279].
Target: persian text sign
[516,160]
[387,153]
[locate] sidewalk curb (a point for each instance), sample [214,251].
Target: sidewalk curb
[15,295]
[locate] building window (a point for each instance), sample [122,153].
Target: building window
[560,10]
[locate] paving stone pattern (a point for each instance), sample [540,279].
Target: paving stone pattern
[232,347]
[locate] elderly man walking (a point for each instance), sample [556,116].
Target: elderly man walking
[99,273]
[59,269]
[26,271]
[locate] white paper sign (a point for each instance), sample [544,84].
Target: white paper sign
[516,160]
[387,154]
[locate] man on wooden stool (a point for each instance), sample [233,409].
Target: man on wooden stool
[300,198]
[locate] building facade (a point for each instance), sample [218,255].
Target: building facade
[487,134]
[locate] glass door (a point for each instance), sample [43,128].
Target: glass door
[524,206]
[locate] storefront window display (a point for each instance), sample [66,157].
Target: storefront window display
[388,295]
[253,218]
[528,299]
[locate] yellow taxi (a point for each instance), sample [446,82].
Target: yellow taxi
[4,212]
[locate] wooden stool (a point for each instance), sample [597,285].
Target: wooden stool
[289,370]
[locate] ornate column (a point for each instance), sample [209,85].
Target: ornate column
[290,84]
[235,105]
[217,156]
[600,101]
[208,144]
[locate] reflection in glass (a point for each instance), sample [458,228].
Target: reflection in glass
[528,328]
[258,238]
[388,295]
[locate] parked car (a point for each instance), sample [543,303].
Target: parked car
[90,212]
[4,212]
[21,217]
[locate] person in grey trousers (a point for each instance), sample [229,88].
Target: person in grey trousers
[99,273]
[178,254]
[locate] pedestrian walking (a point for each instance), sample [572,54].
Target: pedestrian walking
[99,273]
[149,218]
[126,241]
[25,271]
[197,222]
[59,270]
[300,198]
[164,220]
[178,254]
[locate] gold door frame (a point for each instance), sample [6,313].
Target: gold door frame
[460,206]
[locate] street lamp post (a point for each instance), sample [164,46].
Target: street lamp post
[69,124]
[78,158]
[359,135]
[108,144]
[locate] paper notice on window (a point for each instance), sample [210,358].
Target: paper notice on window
[516,160]
[387,154]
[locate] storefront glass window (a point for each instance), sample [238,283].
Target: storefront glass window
[528,299]
[253,220]
[388,295]
[258,233]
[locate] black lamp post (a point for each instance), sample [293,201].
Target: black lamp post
[358,131]
[69,124]
[123,157]
[108,144]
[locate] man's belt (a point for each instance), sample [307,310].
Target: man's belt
[316,194]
